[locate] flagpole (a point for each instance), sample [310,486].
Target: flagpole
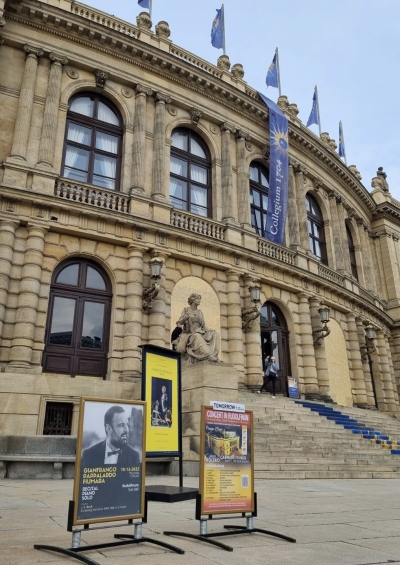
[223,30]
[279,71]
[344,146]
[319,117]
[151,8]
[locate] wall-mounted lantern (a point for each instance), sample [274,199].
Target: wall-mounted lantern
[149,294]
[322,333]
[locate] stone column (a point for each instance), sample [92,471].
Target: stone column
[157,313]
[396,355]
[337,244]
[307,344]
[293,216]
[365,256]
[365,363]
[235,332]
[300,171]
[254,369]
[50,117]
[243,179]
[139,140]
[7,238]
[226,173]
[386,375]
[320,353]
[20,359]
[390,359]
[369,244]
[159,179]
[131,361]
[360,394]
[343,237]
[389,263]
[25,103]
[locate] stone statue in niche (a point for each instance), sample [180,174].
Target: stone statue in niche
[197,342]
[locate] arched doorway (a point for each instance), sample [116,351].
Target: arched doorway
[78,321]
[275,342]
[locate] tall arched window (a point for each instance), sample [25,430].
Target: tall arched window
[190,173]
[78,320]
[316,232]
[352,253]
[259,186]
[93,141]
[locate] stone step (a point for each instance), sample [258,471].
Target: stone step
[326,475]
[331,467]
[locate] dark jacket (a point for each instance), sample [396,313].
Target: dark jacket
[94,456]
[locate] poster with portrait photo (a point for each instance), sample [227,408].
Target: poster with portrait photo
[161,402]
[110,461]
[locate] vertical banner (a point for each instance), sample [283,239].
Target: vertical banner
[161,389]
[110,461]
[226,461]
[278,173]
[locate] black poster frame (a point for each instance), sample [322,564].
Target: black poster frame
[169,354]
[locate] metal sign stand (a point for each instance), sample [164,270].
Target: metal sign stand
[234,530]
[75,549]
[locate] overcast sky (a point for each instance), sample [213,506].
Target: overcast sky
[349,48]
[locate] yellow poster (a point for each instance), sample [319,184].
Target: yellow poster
[226,474]
[162,395]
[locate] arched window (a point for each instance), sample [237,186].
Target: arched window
[316,231]
[190,173]
[78,321]
[93,141]
[352,253]
[275,342]
[259,186]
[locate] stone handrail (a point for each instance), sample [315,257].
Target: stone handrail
[366,295]
[93,196]
[276,252]
[196,61]
[197,224]
[104,19]
[329,274]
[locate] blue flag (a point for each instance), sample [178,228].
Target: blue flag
[144,4]
[314,118]
[217,30]
[342,151]
[278,172]
[272,74]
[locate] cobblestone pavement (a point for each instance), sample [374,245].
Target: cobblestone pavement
[340,522]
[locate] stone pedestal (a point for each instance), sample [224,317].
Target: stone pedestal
[201,383]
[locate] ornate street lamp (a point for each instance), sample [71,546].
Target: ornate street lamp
[248,316]
[322,333]
[149,294]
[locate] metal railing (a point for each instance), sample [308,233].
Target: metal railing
[93,196]
[197,224]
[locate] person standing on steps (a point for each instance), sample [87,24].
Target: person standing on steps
[271,375]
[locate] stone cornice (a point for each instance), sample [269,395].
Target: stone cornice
[387,210]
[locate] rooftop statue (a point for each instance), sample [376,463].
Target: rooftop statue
[196,342]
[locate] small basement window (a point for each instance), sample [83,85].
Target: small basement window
[58,419]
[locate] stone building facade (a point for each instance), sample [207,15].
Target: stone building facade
[116,147]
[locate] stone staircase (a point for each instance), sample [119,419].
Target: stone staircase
[291,442]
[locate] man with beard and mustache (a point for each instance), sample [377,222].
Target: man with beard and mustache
[120,493]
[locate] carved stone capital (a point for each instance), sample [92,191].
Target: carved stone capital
[143,90]
[101,78]
[162,98]
[162,30]
[195,115]
[317,184]
[237,71]
[56,58]
[224,63]
[299,168]
[351,213]
[226,127]
[333,194]
[266,152]
[240,134]
[143,20]
[34,51]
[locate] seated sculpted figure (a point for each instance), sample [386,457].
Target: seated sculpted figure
[196,340]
